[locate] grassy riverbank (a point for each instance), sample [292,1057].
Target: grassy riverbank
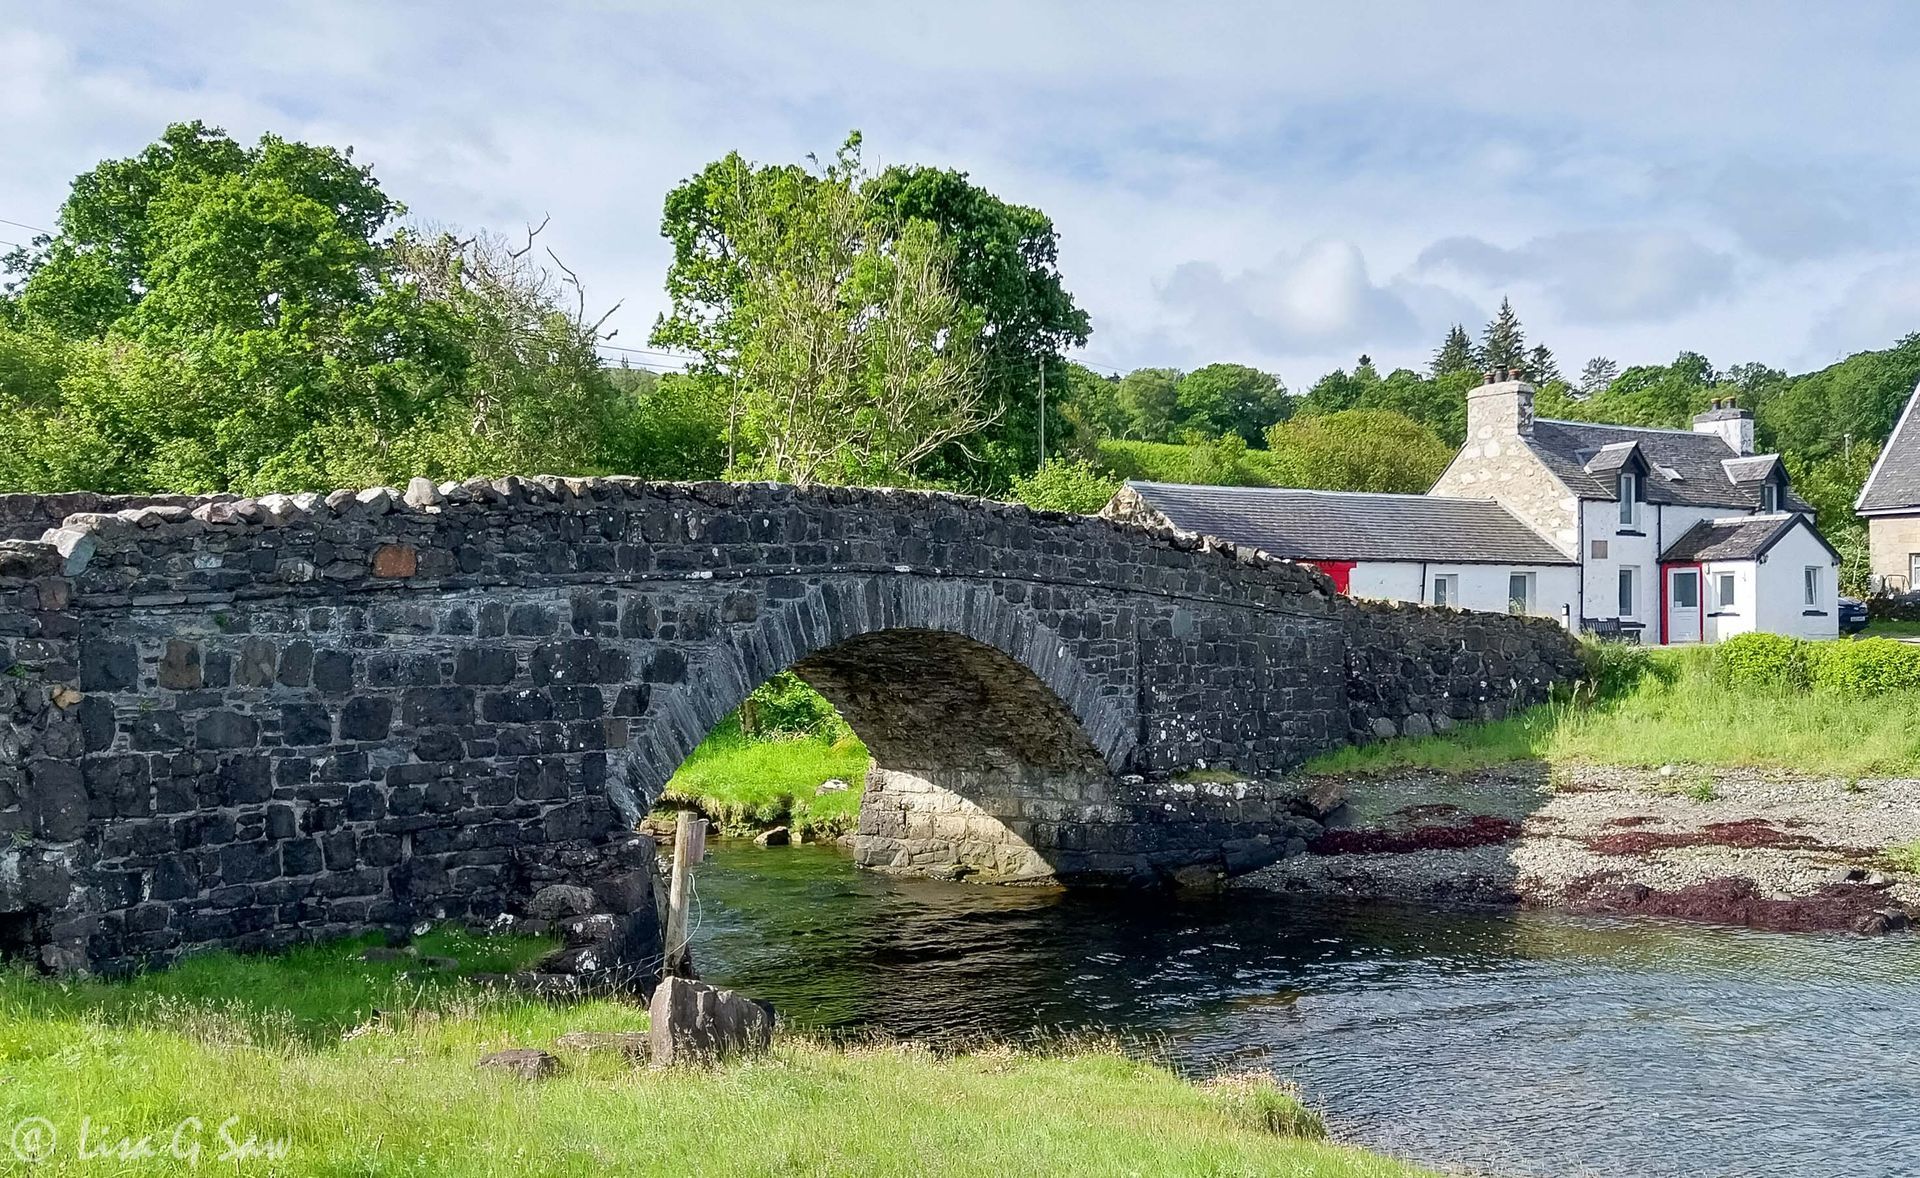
[1681,712]
[746,783]
[365,1068]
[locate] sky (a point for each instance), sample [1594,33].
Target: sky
[1282,185]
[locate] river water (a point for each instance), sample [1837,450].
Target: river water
[1525,1044]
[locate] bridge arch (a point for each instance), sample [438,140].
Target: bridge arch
[986,732]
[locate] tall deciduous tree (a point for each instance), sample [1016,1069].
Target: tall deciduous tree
[1151,397]
[1231,398]
[1356,450]
[847,350]
[1000,270]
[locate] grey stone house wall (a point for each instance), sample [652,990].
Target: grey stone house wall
[246,722]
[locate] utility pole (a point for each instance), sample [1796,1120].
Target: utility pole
[1043,413]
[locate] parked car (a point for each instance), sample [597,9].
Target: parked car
[1853,615]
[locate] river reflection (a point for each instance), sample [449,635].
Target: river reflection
[1522,1044]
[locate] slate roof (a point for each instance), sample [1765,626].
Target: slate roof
[1684,467]
[1746,537]
[1349,525]
[1894,484]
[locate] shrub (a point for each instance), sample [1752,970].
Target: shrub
[1066,484]
[1868,666]
[786,706]
[1615,668]
[1771,661]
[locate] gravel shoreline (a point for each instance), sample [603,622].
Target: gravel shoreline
[1740,846]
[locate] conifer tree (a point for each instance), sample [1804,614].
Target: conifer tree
[1540,365]
[1503,344]
[1455,354]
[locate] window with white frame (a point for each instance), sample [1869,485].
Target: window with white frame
[1520,593]
[1446,589]
[1628,578]
[1813,579]
[1723,596]
[1913,569]
[1770,497]
[1629,498]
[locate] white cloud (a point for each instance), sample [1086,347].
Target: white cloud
[1598,275]
[1317,299]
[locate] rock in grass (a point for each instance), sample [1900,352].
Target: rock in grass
[832,785]
[694,1023]
[779,836]
[637,1046]
[528,1063]
[386,953]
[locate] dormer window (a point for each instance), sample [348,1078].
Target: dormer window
[1629,498]
[1769,497]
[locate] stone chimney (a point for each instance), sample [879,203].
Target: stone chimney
[1727,419]
[1500,408]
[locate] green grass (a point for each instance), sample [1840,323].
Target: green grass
[1905,857]
[369,1070]
[1692,719]
[1886,628]
[744,783]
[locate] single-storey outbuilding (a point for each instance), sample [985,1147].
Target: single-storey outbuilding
[1772,573]
[1465,553]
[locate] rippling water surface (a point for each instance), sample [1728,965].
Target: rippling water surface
[1521,1044]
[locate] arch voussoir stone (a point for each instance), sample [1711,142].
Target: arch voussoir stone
[243,722]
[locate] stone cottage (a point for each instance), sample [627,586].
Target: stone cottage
[1890,503]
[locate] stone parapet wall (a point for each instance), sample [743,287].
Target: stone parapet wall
[26,517]
[249,721]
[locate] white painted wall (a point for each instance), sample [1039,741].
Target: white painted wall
[1780,580]
[1482,586]
[1660,525]
[1738,618]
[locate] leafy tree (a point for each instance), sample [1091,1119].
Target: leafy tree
[1503,343]
[240,318]
[1337,391]
[1091,407]
[1151,398]
[1231,398]
[1597,375]
[1440,405]
[1005,268]
[1068,484]
[847,352]
[1357,450]
[1454,355]
[999,272]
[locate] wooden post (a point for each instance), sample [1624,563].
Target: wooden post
[689,847]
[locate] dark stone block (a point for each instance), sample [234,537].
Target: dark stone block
[304,725]
[248,862]
[425,707]
[333,671]
[108,666]
[296,664]
[56,800]
[484,665]
[366,717]
[226,730]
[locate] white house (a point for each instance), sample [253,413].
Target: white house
[1650,513]
[1651,535]
[1466,553]
[1890,503]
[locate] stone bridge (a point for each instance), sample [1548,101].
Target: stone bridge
[245,722]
